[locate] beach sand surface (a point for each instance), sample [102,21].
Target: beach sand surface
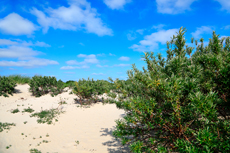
[78,129]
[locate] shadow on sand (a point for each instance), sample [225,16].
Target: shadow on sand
[114,146]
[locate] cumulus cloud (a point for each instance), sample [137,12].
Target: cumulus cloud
[123,58]
[116,4]
[14,24]
[151,42]
[202,30]
[19,53]
[88,59]
[225,5]
[173,6]
[18,42]
[29,63]
[78,16]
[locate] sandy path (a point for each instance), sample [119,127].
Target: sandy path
[91,127]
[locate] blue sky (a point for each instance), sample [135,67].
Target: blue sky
[74,39]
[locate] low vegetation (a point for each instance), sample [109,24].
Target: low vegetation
[29,110]
[47,116]
[15,111]
[6,126]
[19,79]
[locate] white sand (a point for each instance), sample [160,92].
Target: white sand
[90,126]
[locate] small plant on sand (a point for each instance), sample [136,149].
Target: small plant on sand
[6,126]
[35,151]
[7,147]
[15,111]
[29,110]
[6,86]
[45,141]
[25,122]
[47,116]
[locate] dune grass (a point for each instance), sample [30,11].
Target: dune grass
[19,79]
[6,126]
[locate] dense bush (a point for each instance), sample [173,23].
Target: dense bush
[88,89]
[42,85]
[180,103]
[6,86]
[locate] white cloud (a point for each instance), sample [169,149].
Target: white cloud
[70,72]
[7,42]
[158,27]
[98,65]
[88,59]
[14,24]
[116,4]
[122,65]
[41,44]
[173,6]
[18,42]
[78,16]
[202,30]
[110,54]
[123,58]
[22,54]
[98,74]
[225,5]
[150,42]
[82,44]
[226,27]
[74,67]
[30,63]
[133,34]
[102,54]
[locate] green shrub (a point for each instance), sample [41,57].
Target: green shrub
[180,103]
[42,85]
[6,126]
[6,86]
[87,90]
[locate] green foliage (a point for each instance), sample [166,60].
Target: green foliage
[87,90]
[6,86]
[47,116]
[19,79]
[29,110]
[69,84]
[42,85]
[6,126]
[180,103]
[35,151]
[15,111]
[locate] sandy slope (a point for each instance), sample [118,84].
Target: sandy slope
[90,126]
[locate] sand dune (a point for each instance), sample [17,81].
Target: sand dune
[91,127]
